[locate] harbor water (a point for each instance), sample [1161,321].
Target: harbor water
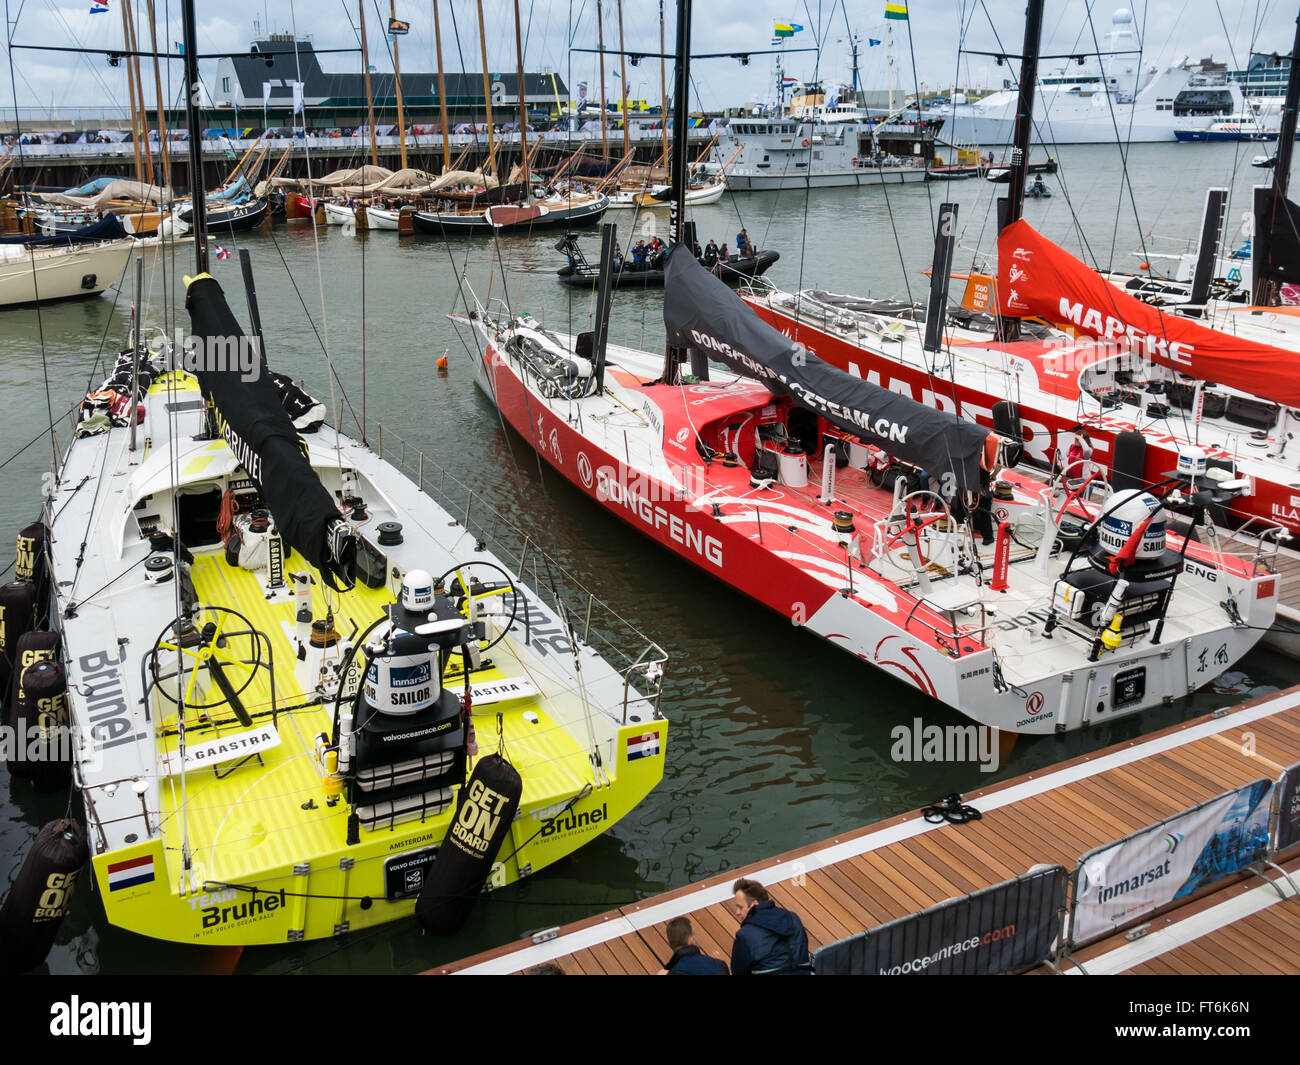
[777,740]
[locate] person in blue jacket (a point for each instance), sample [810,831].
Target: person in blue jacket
[770,940]
[688,959]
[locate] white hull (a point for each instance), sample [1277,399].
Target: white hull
[337,214]
[42,275]
[859,176]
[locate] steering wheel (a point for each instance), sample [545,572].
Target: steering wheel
[910,522]
[214,638]
[481,581]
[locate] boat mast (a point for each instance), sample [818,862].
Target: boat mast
[1011,207]
[130,87]
[663,84]
[157,80]
[622,77]
[199,206]
[370,100]
[673,357]
[487,93]
[523,107]
[397,84]
[442,91]
[600,44]
[1275,198]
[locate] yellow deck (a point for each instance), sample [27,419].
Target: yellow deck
[251,819]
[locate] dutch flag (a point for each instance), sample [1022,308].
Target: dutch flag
[644,746]
[130,873]
[98,7]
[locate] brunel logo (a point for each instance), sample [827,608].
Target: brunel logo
[571,821]
[262,904]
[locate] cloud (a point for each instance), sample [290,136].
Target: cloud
[1169,28]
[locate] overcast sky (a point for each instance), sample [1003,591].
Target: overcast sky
[1168,29]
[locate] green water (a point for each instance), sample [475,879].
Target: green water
[777,740]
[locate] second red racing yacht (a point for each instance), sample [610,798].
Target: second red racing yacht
[869,518]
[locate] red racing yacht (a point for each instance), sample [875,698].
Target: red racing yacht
[868,517]
[805,489]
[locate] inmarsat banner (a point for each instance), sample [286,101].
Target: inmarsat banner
[1123,881]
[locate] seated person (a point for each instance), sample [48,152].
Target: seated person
[711,255]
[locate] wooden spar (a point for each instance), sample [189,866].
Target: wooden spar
[442,91]
[370,100]
[705,150]
[663,84]
[487,93]
[139,96]
[600,43]
[231,176]
[130,90]
[523,107]
[157,80]
[397,85]
[622,77]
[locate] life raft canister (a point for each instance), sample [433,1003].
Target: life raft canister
[37,903]
[484,813]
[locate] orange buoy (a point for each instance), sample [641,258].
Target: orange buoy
[442,364]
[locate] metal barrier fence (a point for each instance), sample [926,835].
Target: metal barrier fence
[1006,928]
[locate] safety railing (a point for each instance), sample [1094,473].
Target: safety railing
[592,622]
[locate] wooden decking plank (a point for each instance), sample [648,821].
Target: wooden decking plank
[1080,806]
[933,873]
[1146,802]
[1059,829]
[903,897]
[1228,767]
[960,878]
[874,910]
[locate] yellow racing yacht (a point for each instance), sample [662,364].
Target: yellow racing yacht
[302,698]
[283,660]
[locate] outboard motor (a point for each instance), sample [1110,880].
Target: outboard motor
[401,744]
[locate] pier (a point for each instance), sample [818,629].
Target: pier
[1243,922]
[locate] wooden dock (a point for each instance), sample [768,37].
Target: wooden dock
[896,867]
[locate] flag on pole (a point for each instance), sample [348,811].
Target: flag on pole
[396,27]
[896,9]
[223,253]
[98,7]
[872,42]
[785,29]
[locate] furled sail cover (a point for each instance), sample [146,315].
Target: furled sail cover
[259,432]
[1281,241]
[701,312]
[1035,277]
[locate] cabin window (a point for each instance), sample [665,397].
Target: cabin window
[225,84]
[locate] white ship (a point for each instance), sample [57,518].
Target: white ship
[1088,103]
